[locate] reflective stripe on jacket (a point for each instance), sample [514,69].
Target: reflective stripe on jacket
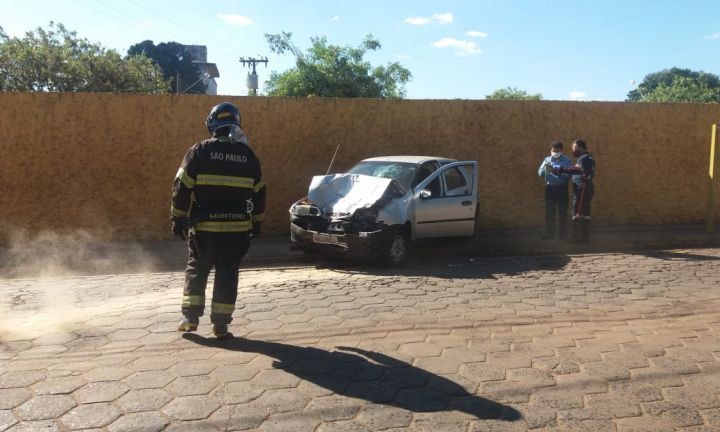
[214,182]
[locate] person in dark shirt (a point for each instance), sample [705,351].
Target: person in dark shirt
[583,174]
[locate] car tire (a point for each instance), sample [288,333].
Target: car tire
[397,248]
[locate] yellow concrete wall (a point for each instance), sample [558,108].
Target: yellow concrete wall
[105,162]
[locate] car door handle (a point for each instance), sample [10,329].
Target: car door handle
[467,203]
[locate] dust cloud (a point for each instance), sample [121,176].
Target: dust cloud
[50,254]
[61,306]
[50,280]
[42,306]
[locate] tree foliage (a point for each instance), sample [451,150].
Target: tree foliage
[172,60]
[677,85]
[56,60]
[334,71]
[512,93]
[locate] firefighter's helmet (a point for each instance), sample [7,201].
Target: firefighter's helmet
[224,114]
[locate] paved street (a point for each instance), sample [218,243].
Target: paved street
[595,342]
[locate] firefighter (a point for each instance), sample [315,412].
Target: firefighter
[583,174]
[556,191]
[217,206]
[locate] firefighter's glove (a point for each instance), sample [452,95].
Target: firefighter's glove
[179,229]
[256,229]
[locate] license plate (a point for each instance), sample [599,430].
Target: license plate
[324,238]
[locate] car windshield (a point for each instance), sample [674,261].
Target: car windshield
[402,172]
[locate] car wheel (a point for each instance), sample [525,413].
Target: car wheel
[397,248]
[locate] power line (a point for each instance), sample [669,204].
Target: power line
[183,26]
[100,11]
[102,8]
[133,19]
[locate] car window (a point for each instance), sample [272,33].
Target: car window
[469,173]
[434,188]
[424,172]
[455,182]
[401,172]
[453,179]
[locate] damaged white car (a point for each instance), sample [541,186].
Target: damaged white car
[381,204]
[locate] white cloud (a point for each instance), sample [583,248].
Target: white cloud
[440,19]
[474,33]
[445,18]
[417,20]
[578,95]
[461,47]
[713,36]
[335,18]
[402,56]
[236,20]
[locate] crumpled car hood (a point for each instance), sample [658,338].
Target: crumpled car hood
[340,195]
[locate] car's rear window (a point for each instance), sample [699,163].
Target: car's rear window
[402,172]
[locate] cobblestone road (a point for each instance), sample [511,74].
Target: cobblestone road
[606,342]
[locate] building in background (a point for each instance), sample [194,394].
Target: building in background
[198,53]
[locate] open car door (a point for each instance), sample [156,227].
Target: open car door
[446,201]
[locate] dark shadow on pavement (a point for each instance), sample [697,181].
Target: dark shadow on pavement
[444,265]
[369,375]
[677,255]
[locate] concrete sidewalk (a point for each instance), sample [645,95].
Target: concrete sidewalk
[523,241]
[516,241]
[39,258]
[603,239]
[491,242]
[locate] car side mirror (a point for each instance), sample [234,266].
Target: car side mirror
[425,194]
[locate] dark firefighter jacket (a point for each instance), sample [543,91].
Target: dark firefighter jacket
[219,184]
[584,170]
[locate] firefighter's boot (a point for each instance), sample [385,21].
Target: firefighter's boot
[221,331]
[188,324]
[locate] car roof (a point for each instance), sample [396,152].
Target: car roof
[408,159]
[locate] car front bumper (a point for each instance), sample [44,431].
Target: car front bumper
[364,244]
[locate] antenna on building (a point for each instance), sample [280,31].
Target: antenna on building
[252,77]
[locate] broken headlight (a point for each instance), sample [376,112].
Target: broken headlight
[299,209]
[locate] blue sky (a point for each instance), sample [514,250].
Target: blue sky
[564,49]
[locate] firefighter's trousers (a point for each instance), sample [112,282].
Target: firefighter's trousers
[206,250]
[582,196]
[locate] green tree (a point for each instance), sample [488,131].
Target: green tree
[334,71]
[56,60]
[173,61]
[677,85]
[512,93]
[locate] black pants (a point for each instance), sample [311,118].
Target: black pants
[582,195]
[224,251]
[556,204]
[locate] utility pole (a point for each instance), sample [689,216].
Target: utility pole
[252,78]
